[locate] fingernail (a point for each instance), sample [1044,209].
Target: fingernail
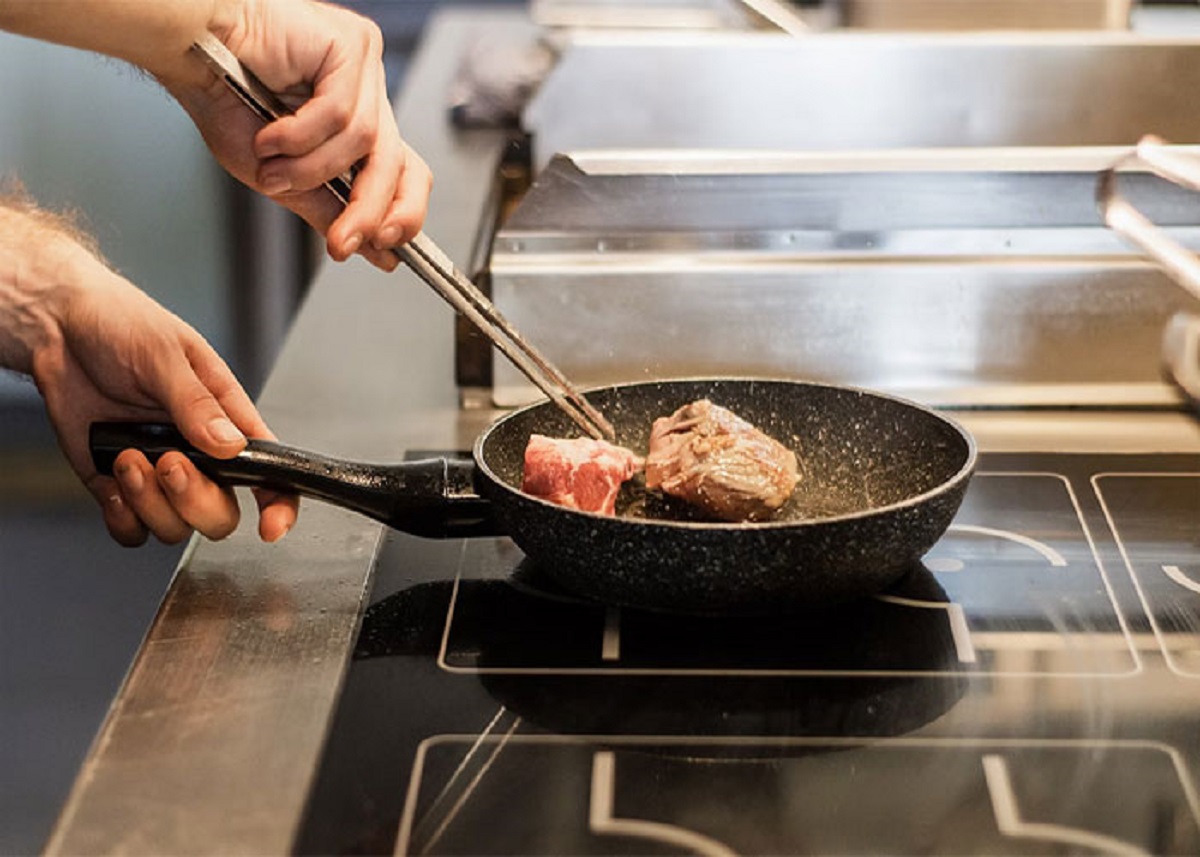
[273,185]
[223,431]
[130,477]
[176,479]
[353,243]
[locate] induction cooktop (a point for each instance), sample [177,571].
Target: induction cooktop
[1032,687]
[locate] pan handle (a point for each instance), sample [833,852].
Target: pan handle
[433,497]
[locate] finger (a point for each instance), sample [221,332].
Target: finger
[277,514]
[299,134]
[193,407]
[407,213]
[336,99]
[123,525]
[198,501]
[277,510]
[141,491]
[378,184]
[325,138]
[386,260]
[218,379]
[371,199]
[319,208]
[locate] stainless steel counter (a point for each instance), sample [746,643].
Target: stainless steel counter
[214,740]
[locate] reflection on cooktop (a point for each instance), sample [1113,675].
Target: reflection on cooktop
[1028,689]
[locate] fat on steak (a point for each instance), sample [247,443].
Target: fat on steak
[579,473]
[712,458]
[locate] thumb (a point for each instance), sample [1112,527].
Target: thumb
[197,413]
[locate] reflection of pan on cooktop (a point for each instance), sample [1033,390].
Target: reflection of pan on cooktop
[729,706]
[741,685]
[882,479]
[859,669]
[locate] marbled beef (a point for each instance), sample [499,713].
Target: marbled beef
[579,473]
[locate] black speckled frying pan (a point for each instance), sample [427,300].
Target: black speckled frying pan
[881,479]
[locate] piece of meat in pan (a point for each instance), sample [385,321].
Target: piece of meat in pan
[712,458]
[579,473]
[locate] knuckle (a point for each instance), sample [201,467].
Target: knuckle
[362,136]
[172,536]
[128,537]
[222,528]
[341,115]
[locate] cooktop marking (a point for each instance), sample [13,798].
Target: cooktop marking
[1052,556]
[1176,574]
[1131,568]
[602,821]
[1008,817]
[959,630]
[992,753]
[610,645]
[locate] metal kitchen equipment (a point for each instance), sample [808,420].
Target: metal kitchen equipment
[426,258]
[862,91]
[972,277]
[986,14]
[1175,164]
[670,14]
[1181,353]
[669,186]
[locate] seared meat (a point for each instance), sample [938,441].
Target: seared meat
[579,473]
[714,459]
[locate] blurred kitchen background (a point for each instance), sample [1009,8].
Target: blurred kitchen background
[91,134]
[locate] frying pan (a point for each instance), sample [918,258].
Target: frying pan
[881,480]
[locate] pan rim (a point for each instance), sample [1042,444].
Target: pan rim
[961,475]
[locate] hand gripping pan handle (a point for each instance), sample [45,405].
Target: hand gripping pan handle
[433,497]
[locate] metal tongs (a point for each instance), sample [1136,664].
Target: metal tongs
[1181,339]
[426,259]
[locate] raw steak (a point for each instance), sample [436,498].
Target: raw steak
[579,473]
[714,459]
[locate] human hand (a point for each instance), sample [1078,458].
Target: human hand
[325,62]
[98,348]
[121,356]
[322,59]
[124,357]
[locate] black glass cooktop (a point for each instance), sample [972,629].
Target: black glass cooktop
[1032,688]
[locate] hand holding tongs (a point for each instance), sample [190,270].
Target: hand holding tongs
[426,259]
[1181,340]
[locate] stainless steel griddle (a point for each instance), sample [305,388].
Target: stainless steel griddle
[969,277]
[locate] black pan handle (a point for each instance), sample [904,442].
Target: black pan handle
[433,497]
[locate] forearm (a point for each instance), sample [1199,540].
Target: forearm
[152,34]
